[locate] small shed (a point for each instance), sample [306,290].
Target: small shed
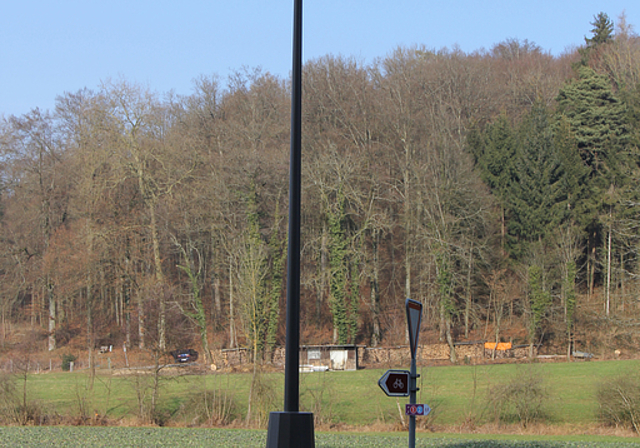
[331,357]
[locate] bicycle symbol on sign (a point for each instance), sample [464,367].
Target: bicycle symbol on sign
[395,383]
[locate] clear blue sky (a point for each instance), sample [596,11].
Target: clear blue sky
[51,47]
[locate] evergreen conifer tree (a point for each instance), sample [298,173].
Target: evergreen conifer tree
[572,174]
[534,194]
[602,30]
[495,150]
[597,118]
[598,122]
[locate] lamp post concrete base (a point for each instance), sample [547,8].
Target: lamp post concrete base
[291,430]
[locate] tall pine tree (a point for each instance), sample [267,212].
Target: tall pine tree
[602,30]
[598,122]
[533,196]
[494,151]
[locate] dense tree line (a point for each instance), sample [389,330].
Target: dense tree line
[500,188]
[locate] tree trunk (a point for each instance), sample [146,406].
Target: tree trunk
[324,267]
[142,329]
[89,307]
[4,329]
[608,291]
[591,268]
[90,342]
[503,232]
[217,303]
[452,349]
[116,307]
[157,261]
[498,322]
[199,315]
[232,324]
[407,227]
[52,316]
[215,283]
[467,308]
[443,322]
[622,292]
[376,335]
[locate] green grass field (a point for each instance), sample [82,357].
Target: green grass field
[455,393]
[172,437]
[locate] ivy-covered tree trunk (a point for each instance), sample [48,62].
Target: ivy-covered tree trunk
[342,286]
[261,280]
[569,290]
[252,279]
[539,301]
[157,262]
[468,299]
[338,280]
[354,292]
[233,337]
[197,313]
[447,306]
[278,249]
[374,284]
[52,315]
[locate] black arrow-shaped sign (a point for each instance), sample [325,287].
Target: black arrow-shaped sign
[395,383]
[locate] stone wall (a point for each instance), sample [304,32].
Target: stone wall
[394,356]
[381,356]
[230,357]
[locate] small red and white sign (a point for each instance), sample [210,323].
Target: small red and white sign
[417,409]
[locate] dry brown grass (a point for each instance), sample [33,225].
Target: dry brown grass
[537,429]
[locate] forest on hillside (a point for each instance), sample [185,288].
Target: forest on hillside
[500,188]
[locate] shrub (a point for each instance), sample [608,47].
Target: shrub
[67,359]
[262,398]
[208,408]
[619,401]
[522,399]
[15,407]
[9,398]
[319,398]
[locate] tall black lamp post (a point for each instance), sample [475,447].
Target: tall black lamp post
[292,428]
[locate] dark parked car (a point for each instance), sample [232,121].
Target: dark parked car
[184,355]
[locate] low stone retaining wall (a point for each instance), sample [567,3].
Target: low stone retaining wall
[377,356]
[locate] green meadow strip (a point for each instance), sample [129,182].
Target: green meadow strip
[457,394]
[94,437]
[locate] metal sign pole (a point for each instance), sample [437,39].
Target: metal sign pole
[412,400]
[402,383]
[292,354]
[414,318]
[293,428]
